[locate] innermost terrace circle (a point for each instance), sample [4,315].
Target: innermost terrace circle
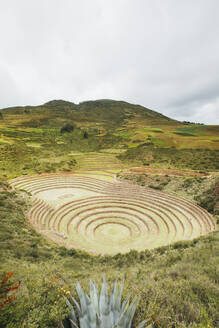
[114,231]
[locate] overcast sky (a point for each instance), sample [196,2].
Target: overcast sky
[162,54]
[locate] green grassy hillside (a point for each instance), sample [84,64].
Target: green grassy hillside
[107,113]
[124,124]
[34,140]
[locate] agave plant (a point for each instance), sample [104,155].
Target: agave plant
[101,311]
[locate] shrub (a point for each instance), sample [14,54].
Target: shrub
[156,187]
[85,135]
[67,128]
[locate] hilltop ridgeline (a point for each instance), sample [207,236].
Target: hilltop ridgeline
[105,112]
[108,105]
[105,124]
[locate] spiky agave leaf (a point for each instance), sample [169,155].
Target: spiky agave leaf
[125,304]
[112,303]
[82,298]
[104,307]
[83,319]
[83,316]
[125,319]
[103,300]
[122,319]
[131,311]
[94,296]
[76,305]
[91,312]
[142,324]
[112,295]
[72,316]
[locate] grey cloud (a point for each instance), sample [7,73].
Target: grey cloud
[10,93]
[161,54]
[202,112]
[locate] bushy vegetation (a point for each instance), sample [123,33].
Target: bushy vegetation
[196,159]
[209,200]
[67,128]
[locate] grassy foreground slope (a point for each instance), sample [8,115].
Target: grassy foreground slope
[177,284]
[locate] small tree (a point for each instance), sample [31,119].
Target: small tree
[67,128]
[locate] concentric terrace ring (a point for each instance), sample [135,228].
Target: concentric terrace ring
[107,217]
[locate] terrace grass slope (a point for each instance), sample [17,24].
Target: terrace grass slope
[101,215]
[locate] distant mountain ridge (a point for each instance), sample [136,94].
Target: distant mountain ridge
[103,112]
[103,104]
[102,124]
